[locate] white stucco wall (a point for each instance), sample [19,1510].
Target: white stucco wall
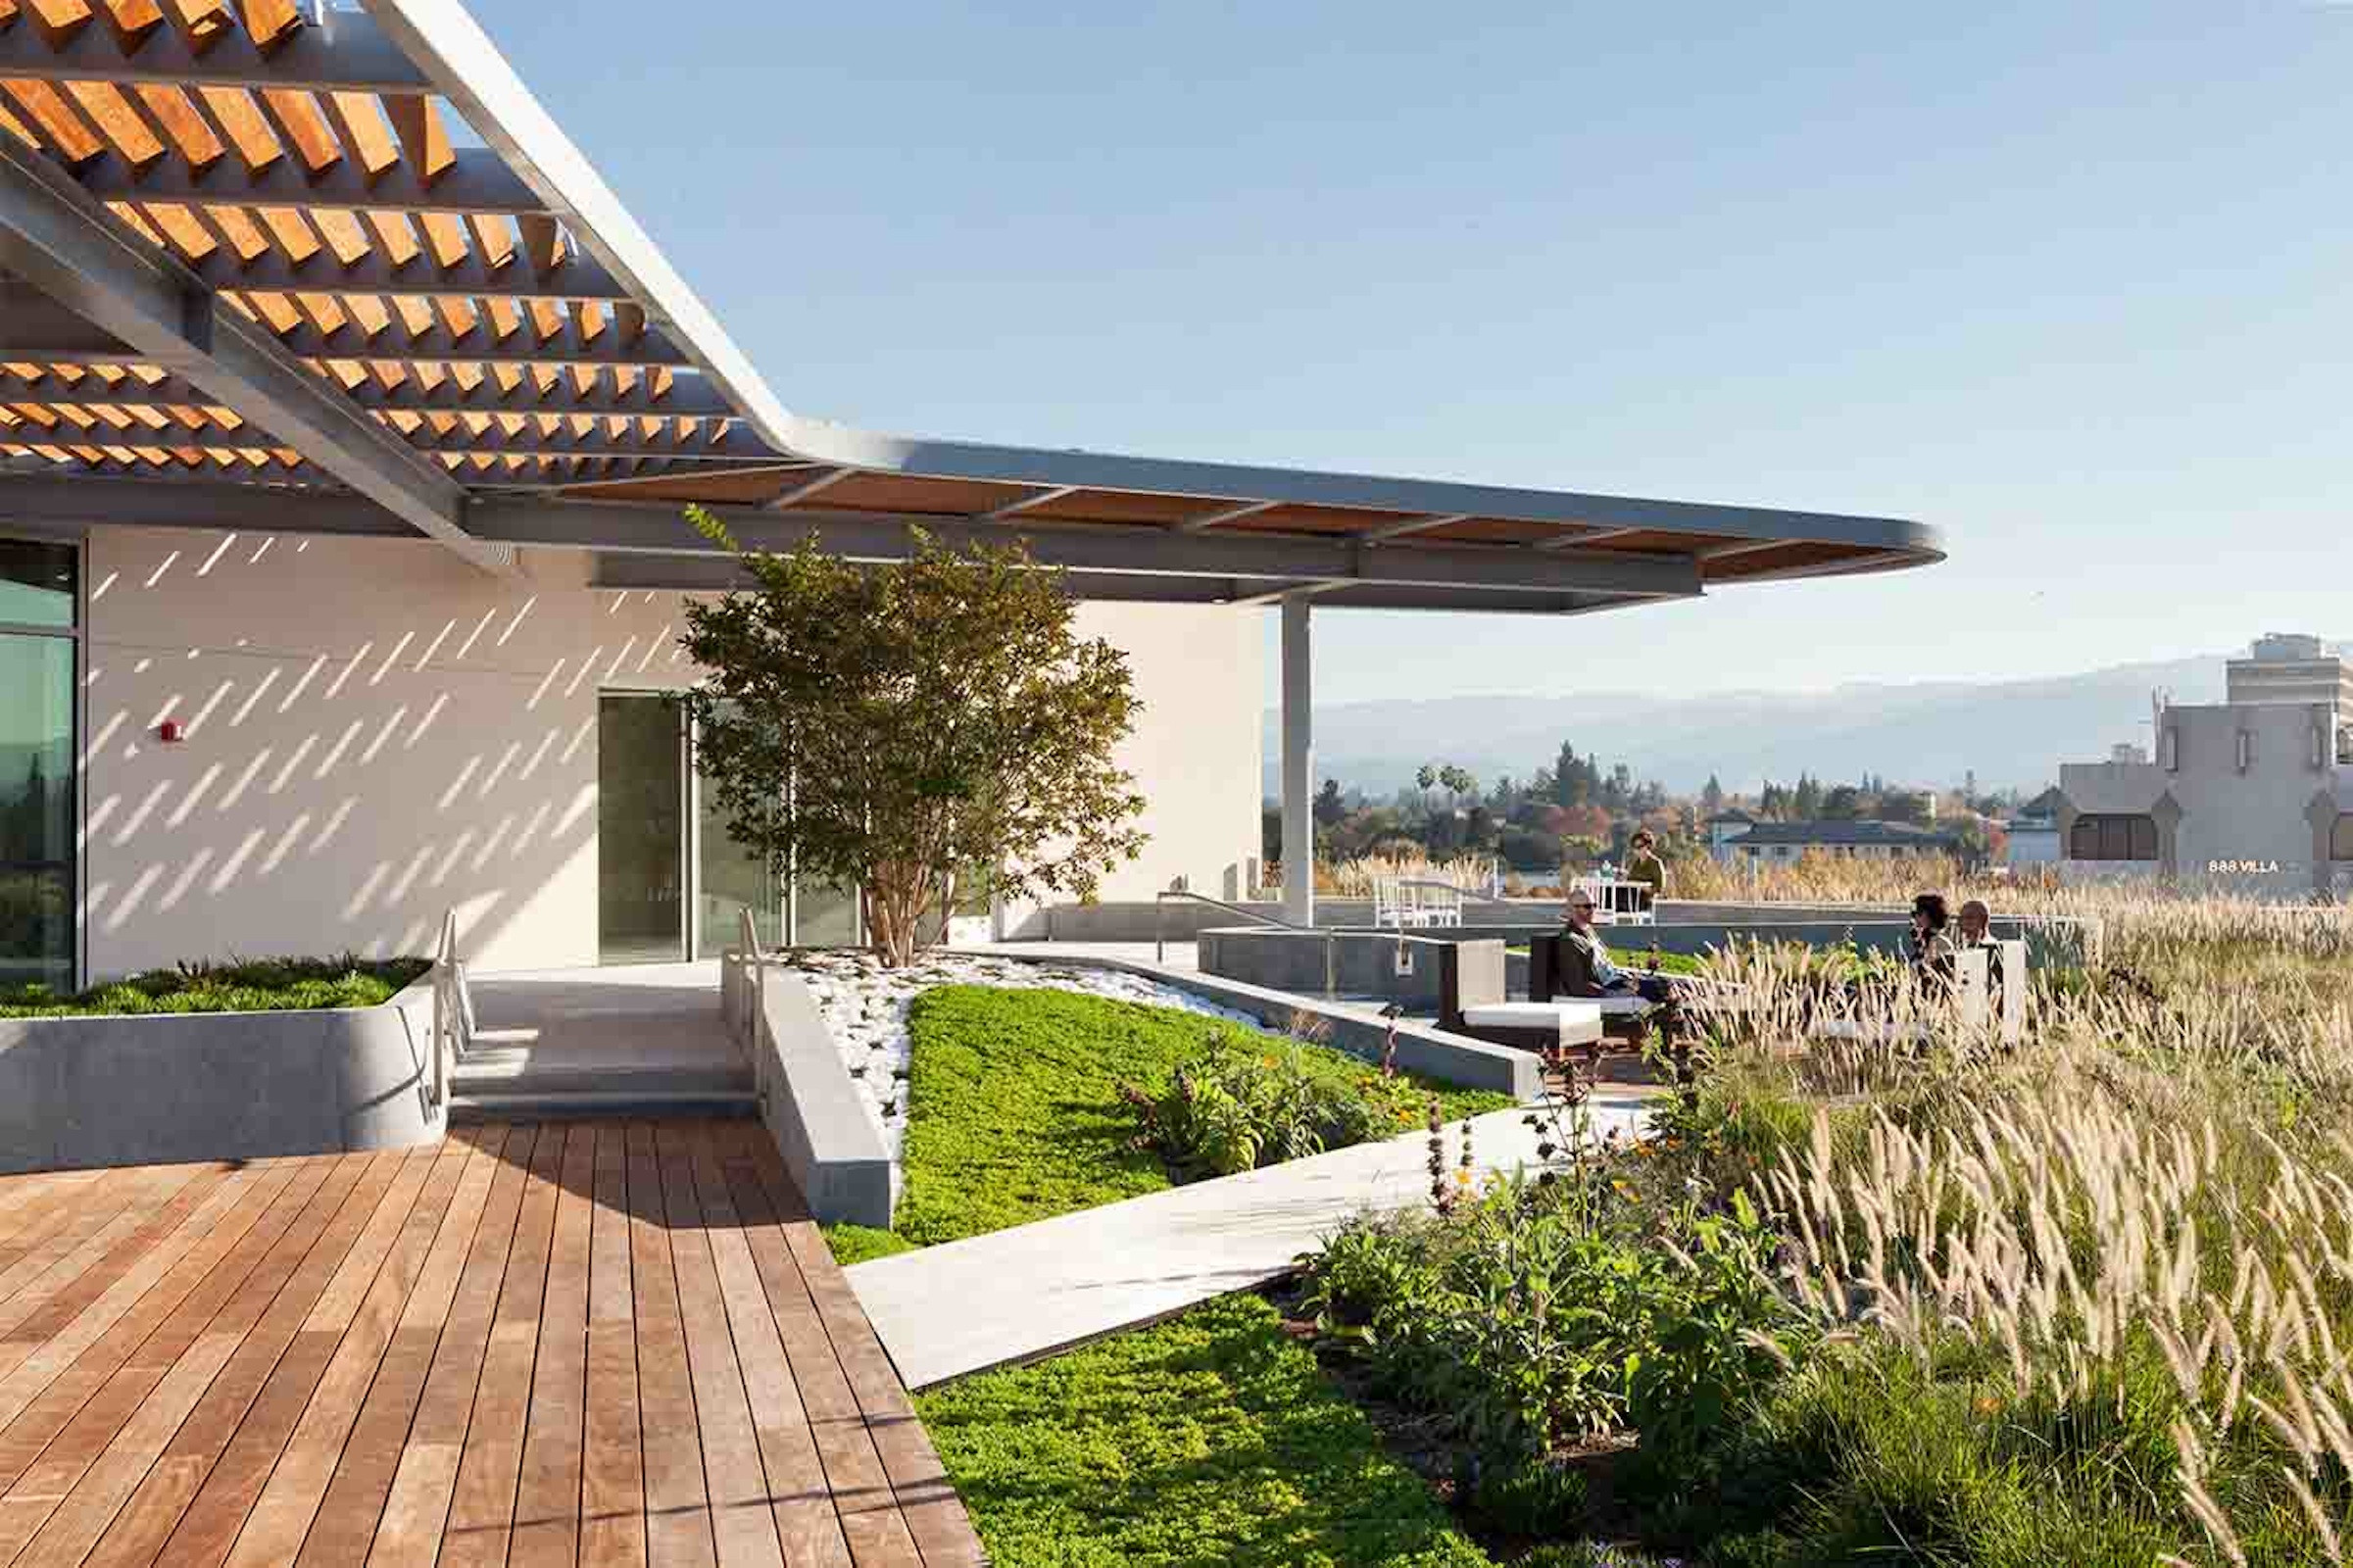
[377,733]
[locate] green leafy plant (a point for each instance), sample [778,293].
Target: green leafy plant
[235,985]
[902,727]
[1237,1105]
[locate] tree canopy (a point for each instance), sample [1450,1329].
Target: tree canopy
[907,727]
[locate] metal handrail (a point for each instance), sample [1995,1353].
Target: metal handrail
[453,1009]
[1161,930]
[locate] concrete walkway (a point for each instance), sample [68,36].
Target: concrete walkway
[1017,1295]
[613,1039]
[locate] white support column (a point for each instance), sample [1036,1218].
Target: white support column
[1298,766]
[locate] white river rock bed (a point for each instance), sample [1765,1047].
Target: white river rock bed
[865,1006]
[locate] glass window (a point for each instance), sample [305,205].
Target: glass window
[824,915]
[36,583]
[2341,838]
[641,830]
[2113,837]
[37,811]
[733,879]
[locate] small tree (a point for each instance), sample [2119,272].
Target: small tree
[897,727]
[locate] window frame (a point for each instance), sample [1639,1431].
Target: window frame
[77,733]
[2112,832]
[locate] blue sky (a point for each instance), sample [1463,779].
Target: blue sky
[2073,283]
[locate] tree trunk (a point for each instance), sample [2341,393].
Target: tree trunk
[895,907]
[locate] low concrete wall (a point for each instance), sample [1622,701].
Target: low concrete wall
[165,1088]
[1421,1048]
[822,1128]
[1382,965]
[2055,942]
[1140,921]
[1354,964]
[2061,941]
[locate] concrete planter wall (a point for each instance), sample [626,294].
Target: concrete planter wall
[165,1088]
[823,1133]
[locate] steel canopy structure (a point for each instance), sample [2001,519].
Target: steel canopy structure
[269,265]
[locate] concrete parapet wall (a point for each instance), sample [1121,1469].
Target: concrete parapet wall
[165,1088]
[823,1131]
[1420,1048]
[1382,965]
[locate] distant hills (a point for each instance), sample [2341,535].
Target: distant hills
[2012,733]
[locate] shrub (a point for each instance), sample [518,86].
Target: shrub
[1534,1316]
[239,985]
[1237,1105]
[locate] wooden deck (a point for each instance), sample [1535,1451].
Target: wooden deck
[581,1343]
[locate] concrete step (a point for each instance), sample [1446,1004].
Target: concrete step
[469,1107]
[497,1072]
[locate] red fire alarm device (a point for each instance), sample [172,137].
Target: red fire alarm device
[171,732]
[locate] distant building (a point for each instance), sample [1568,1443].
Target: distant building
[2255,792]
[1778,843]
[1724,826]
[2032,835]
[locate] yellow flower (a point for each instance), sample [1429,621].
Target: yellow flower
[1989,1405]
[1462,1178]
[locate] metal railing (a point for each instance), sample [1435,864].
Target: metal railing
[452,1010]
[1160,932]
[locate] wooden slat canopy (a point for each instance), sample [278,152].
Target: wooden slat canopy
[327,251]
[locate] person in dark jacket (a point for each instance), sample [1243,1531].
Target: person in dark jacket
[1608,978]
[1929,951]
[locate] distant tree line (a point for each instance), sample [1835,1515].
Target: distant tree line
[1581,808]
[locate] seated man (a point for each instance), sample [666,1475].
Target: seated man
[1607,979]
[1976,931]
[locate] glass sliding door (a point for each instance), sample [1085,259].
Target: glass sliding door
[730,879]
[671,880]
[641,828]
[38,655]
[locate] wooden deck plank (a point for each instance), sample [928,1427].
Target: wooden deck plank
[113,1206]
[876,1532]
[481,1515]
[546,1497]
[409,1532]
[36,1204]
[613,1481]
[208,1529]
[83,1262]
[46,1451]
[286,1293]
[741,1522]
[585,1345]
[23,1439]
[91,1505]
[678,1531]
[281,1518]
[103,1297]
[806,1523]
[935,1515]
[362,1477]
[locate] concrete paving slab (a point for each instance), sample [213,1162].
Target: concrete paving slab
[1018,1294]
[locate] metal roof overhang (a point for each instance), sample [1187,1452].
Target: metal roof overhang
[248,279]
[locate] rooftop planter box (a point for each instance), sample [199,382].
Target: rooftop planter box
[82,1090]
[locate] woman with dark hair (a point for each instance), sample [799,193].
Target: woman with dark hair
[1929,950]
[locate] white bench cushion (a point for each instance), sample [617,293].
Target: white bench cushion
[1577,1021]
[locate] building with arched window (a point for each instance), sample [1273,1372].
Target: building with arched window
[2255,792]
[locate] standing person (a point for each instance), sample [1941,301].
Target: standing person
[1643,865]
[1929,949]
